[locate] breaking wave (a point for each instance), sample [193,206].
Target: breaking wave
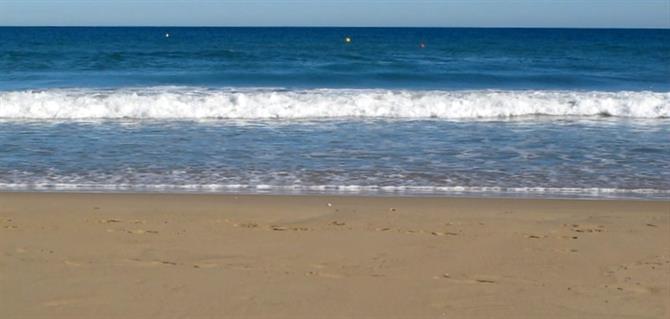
[200,103]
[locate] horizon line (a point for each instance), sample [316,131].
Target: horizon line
[334,26]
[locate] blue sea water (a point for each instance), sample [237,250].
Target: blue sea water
[317,57]
[495,112]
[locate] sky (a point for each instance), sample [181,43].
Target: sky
[414,13]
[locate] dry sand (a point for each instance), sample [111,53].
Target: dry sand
[214,256]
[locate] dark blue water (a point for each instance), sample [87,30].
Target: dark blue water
[318,57]
[485,112]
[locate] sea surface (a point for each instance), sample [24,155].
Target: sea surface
[551,113]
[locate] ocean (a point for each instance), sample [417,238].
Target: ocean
[550,113]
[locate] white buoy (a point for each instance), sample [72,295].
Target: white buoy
[167,35]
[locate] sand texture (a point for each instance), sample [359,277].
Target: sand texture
[224,256]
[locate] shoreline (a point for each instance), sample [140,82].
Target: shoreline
[108,255]
[352,194]
[359,198]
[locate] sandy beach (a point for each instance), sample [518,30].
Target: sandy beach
[66,255]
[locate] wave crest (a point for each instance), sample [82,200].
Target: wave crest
[196,103]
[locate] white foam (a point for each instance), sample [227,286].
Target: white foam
[585,192]
[197,103]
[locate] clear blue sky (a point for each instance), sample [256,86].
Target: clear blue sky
[465,13]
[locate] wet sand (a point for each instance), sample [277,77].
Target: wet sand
[215,256]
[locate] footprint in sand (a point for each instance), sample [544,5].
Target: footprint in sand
[642,275]
[467,280]
[205,265]
[285,228]
[9,220]
[535,236]
[141,231]
[586,228]
[110,220]
[636,289]
[482,279]
[485,281]
[437,233]
[570,237]
[150,263]
[6,220]
[246,225]
[564,250]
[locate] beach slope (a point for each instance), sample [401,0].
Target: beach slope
[213,256]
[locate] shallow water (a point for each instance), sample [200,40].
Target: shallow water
[552,157]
